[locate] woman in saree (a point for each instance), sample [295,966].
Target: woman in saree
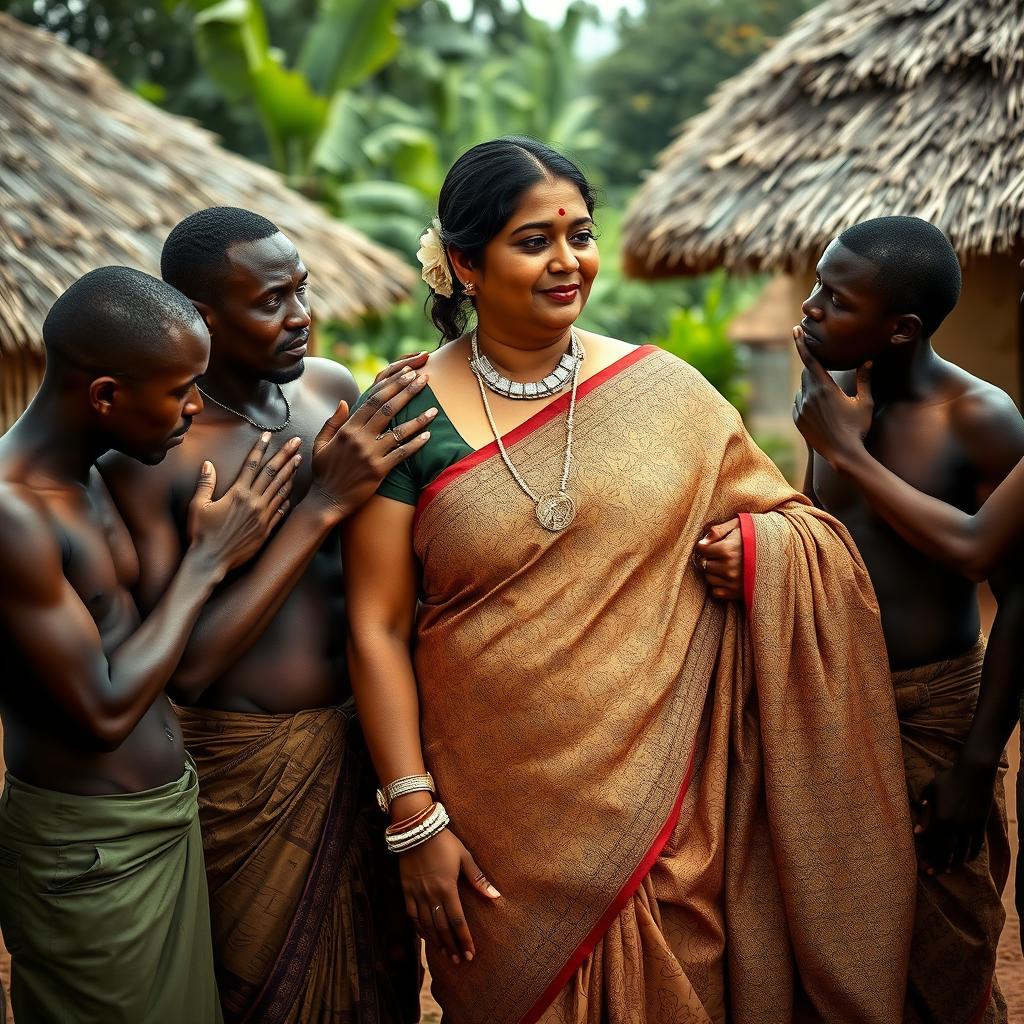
[692,811]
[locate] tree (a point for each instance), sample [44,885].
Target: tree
[670,57]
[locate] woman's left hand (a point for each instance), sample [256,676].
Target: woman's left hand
[719,556]
[430,876]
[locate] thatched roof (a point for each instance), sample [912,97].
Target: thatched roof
[90,174]
[865,108]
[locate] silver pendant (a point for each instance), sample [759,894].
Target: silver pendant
[555,511]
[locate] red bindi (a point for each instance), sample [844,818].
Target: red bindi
[561,212]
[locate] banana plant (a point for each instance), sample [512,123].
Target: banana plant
[346,44]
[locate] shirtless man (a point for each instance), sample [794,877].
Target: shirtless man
[300,899]
[958,802]
[102,896]
[883,288]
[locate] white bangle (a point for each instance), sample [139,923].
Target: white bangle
[400,787]
[437,821]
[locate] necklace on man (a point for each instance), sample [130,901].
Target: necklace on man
[554,511]
[249,419]
[486,371]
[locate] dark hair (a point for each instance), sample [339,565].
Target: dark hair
[195,253]
[480,192]
[115,320]
[917,266]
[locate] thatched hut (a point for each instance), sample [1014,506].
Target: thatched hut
[865,108]
[91,174]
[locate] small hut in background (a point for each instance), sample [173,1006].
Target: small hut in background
[865,108]
[91,174]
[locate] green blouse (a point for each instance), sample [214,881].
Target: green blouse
[410,478]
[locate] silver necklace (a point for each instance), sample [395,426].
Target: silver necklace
[550,385]
[249,419]
[554,511]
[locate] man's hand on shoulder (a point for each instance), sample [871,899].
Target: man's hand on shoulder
[335,382]
[353,453]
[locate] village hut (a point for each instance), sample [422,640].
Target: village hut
[864,108]
[91,174]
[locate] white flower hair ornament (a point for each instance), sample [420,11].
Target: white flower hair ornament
[432,255]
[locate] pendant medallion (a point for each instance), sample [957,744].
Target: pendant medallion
[555,511]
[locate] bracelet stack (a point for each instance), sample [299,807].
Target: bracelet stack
[403,786]
[415,831]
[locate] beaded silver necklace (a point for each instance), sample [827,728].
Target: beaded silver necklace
[249,419]
[556,510]
[550,385]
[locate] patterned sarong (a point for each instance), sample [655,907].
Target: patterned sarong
[104,908]
[694,813]
[959,914]
[308,923]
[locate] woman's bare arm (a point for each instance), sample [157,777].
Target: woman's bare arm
[381,588]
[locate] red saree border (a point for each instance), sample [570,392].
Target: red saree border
[749,535]
[535,422]
[615,907]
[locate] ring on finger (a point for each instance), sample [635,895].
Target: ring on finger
[392,432]
[704,565]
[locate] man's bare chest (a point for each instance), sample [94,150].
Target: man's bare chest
[228,441]
[920,448]
[99,559]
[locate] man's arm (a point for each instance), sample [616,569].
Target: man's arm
[350,459]
[958,802]
[57,640]
[835,425]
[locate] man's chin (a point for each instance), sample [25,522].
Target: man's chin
[288,374]
[148,458]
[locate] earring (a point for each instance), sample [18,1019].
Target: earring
[468,289]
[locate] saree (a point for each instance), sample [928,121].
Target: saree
[308,922]
[959,913]
[104,906]
[693,812]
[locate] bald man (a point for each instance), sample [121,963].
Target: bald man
[103,900]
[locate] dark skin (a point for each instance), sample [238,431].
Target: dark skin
[82,696]
[988,541]
[272,639]
[941,433]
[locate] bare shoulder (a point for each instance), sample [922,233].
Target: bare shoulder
[29,543]
[987,423]
[329,380]
[447,355]
[604,350]
[981,408]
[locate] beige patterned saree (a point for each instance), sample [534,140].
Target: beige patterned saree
[694,812]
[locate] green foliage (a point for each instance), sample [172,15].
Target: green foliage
[669,59]
[364,106]
[698,335]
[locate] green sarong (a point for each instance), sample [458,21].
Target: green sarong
[104,907]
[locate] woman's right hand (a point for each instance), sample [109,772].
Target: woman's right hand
[430,877]
[230,530]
